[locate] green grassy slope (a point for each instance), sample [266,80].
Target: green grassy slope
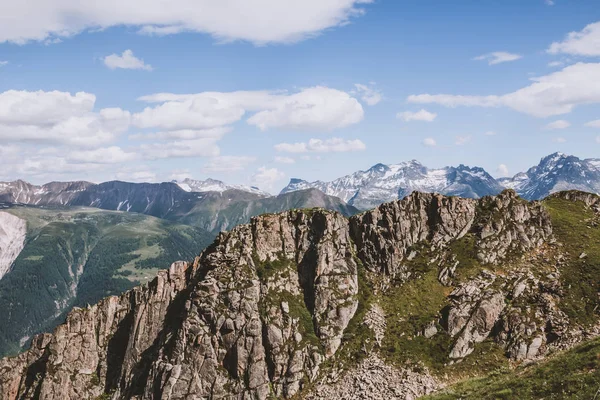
[574,374]
[77,256]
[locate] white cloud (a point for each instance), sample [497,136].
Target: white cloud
[554,94]
[126,61]
[429,142]
[104,155]
[3,63]
[180,175]
[184,134]
[266,178]
[318,108]
[138,173]
[498,57]
[593,124]
[333,145]
[460,140]
[559,124]
[180,149]
[597,139]
[549,2]
[490,133]
[421,115]
[58,117]
[559,140]
[284,160]
[582,43]
[502,170]
[259,22]
[368,94]
[228,163]
[312,109]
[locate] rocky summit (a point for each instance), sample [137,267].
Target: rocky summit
[402,301]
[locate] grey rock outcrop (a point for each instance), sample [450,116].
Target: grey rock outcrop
[385,234]
[373,379]
[264,310]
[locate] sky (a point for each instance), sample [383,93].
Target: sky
[256,92]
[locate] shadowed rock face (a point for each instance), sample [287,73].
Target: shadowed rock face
[264,309]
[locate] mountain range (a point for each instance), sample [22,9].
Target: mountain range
[211,205]
[382,183]
[447,297]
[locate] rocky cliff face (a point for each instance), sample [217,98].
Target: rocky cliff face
[309,304]
[12,240]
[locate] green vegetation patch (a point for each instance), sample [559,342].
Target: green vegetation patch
[576,228]
[409,308]
[571,375]
[465,251]
[297,310]
[269,268]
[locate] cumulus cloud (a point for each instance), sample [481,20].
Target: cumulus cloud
[266,178]
[137,173]
[429,142]
[180,175]
[284,160]
[502,170]
[184,134]
[498,57]
[559,124]
[583,43]
[593,124]
[421,115]
[180,149]
[58,117]
[126,61]
[333,145]
[312,109]
[368,93]
[105,155]
[554,94]
[228,163]
[318,108]
[259,22]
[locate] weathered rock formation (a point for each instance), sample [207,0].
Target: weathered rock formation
[263,311]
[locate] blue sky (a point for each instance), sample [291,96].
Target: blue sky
[281,89]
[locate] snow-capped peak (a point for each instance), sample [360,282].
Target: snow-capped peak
[381,183]
[214,185]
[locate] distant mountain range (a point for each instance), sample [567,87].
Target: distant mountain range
[382,183]
[210,205]
[214,205]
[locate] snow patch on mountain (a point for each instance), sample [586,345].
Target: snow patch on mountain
[555,173]
[13,231]
[382,183]
[213,185]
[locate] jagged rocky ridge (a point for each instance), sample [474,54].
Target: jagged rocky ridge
[275,308]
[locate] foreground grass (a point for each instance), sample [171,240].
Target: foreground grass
[577,228]
[570,375]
